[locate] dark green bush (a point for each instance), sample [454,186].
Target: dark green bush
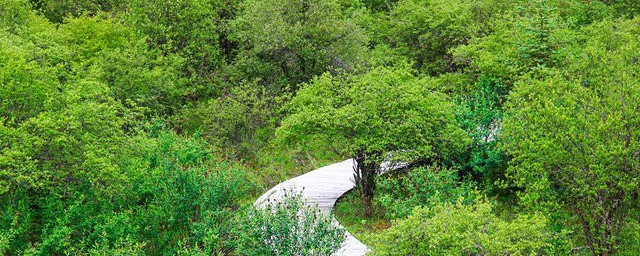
[186,195]
[479,114]
[420,186]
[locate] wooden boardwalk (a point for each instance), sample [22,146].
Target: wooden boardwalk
[323,187]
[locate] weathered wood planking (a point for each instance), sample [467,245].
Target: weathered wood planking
[323,187]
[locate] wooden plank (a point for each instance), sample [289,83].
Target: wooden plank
[322,187]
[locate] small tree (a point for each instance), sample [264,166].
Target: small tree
[382,115]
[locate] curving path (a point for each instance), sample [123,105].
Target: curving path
[323,187]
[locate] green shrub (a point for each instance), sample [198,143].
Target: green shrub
[479,114]
[289,227]
[462,229]
[630,238]
[14,13]
[420,186]
[4,241]
[239,124]
[186,195]
[287,42]
[426,30]
[172,193]
[122,247]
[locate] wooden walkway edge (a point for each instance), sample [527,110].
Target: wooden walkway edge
[323,187]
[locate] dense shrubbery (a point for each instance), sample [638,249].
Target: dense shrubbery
[573,133]
[466,229]
[169,190]
[146,126]
[287,42]
[174,198]
[421,186]
[88,166]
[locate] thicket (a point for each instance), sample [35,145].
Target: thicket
[147,127]
[95,156]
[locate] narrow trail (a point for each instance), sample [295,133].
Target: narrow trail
[323,187]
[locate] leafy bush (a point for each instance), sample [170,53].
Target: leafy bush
[479,114]
[287,42]
[289,227]
[186,195]
[462,229]
[170,192]
[14,13]
[238,123]
[527,40]
[191,33]
[425,30]
[56,11]
[630,238]
[573,135]
[627,8]
[420,186]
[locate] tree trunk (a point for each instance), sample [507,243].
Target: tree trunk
[365,171]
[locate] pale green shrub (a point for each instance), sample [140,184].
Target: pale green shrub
[288,227]
[465,229]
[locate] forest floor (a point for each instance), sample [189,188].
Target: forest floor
[349,211]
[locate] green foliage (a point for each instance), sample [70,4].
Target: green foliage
[424,186]
[288,42]
[425,30]
[170,192]
[188,195]
[189,27]
[122,247]
[192,33]
[381,111]
[284,85]
[625,8]
[479,114]
[25,83]
[573,136]
[630,238]
[373,5]
[72,142]
[236,123]
[42,56]
[522,43]
[462,229]
[381,115]
[13,14]
[113,54]
[527,39]
[57,11]
[62,123]
[289,227]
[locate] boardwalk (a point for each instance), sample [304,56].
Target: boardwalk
[323,187]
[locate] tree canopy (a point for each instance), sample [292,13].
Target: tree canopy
[381,111]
